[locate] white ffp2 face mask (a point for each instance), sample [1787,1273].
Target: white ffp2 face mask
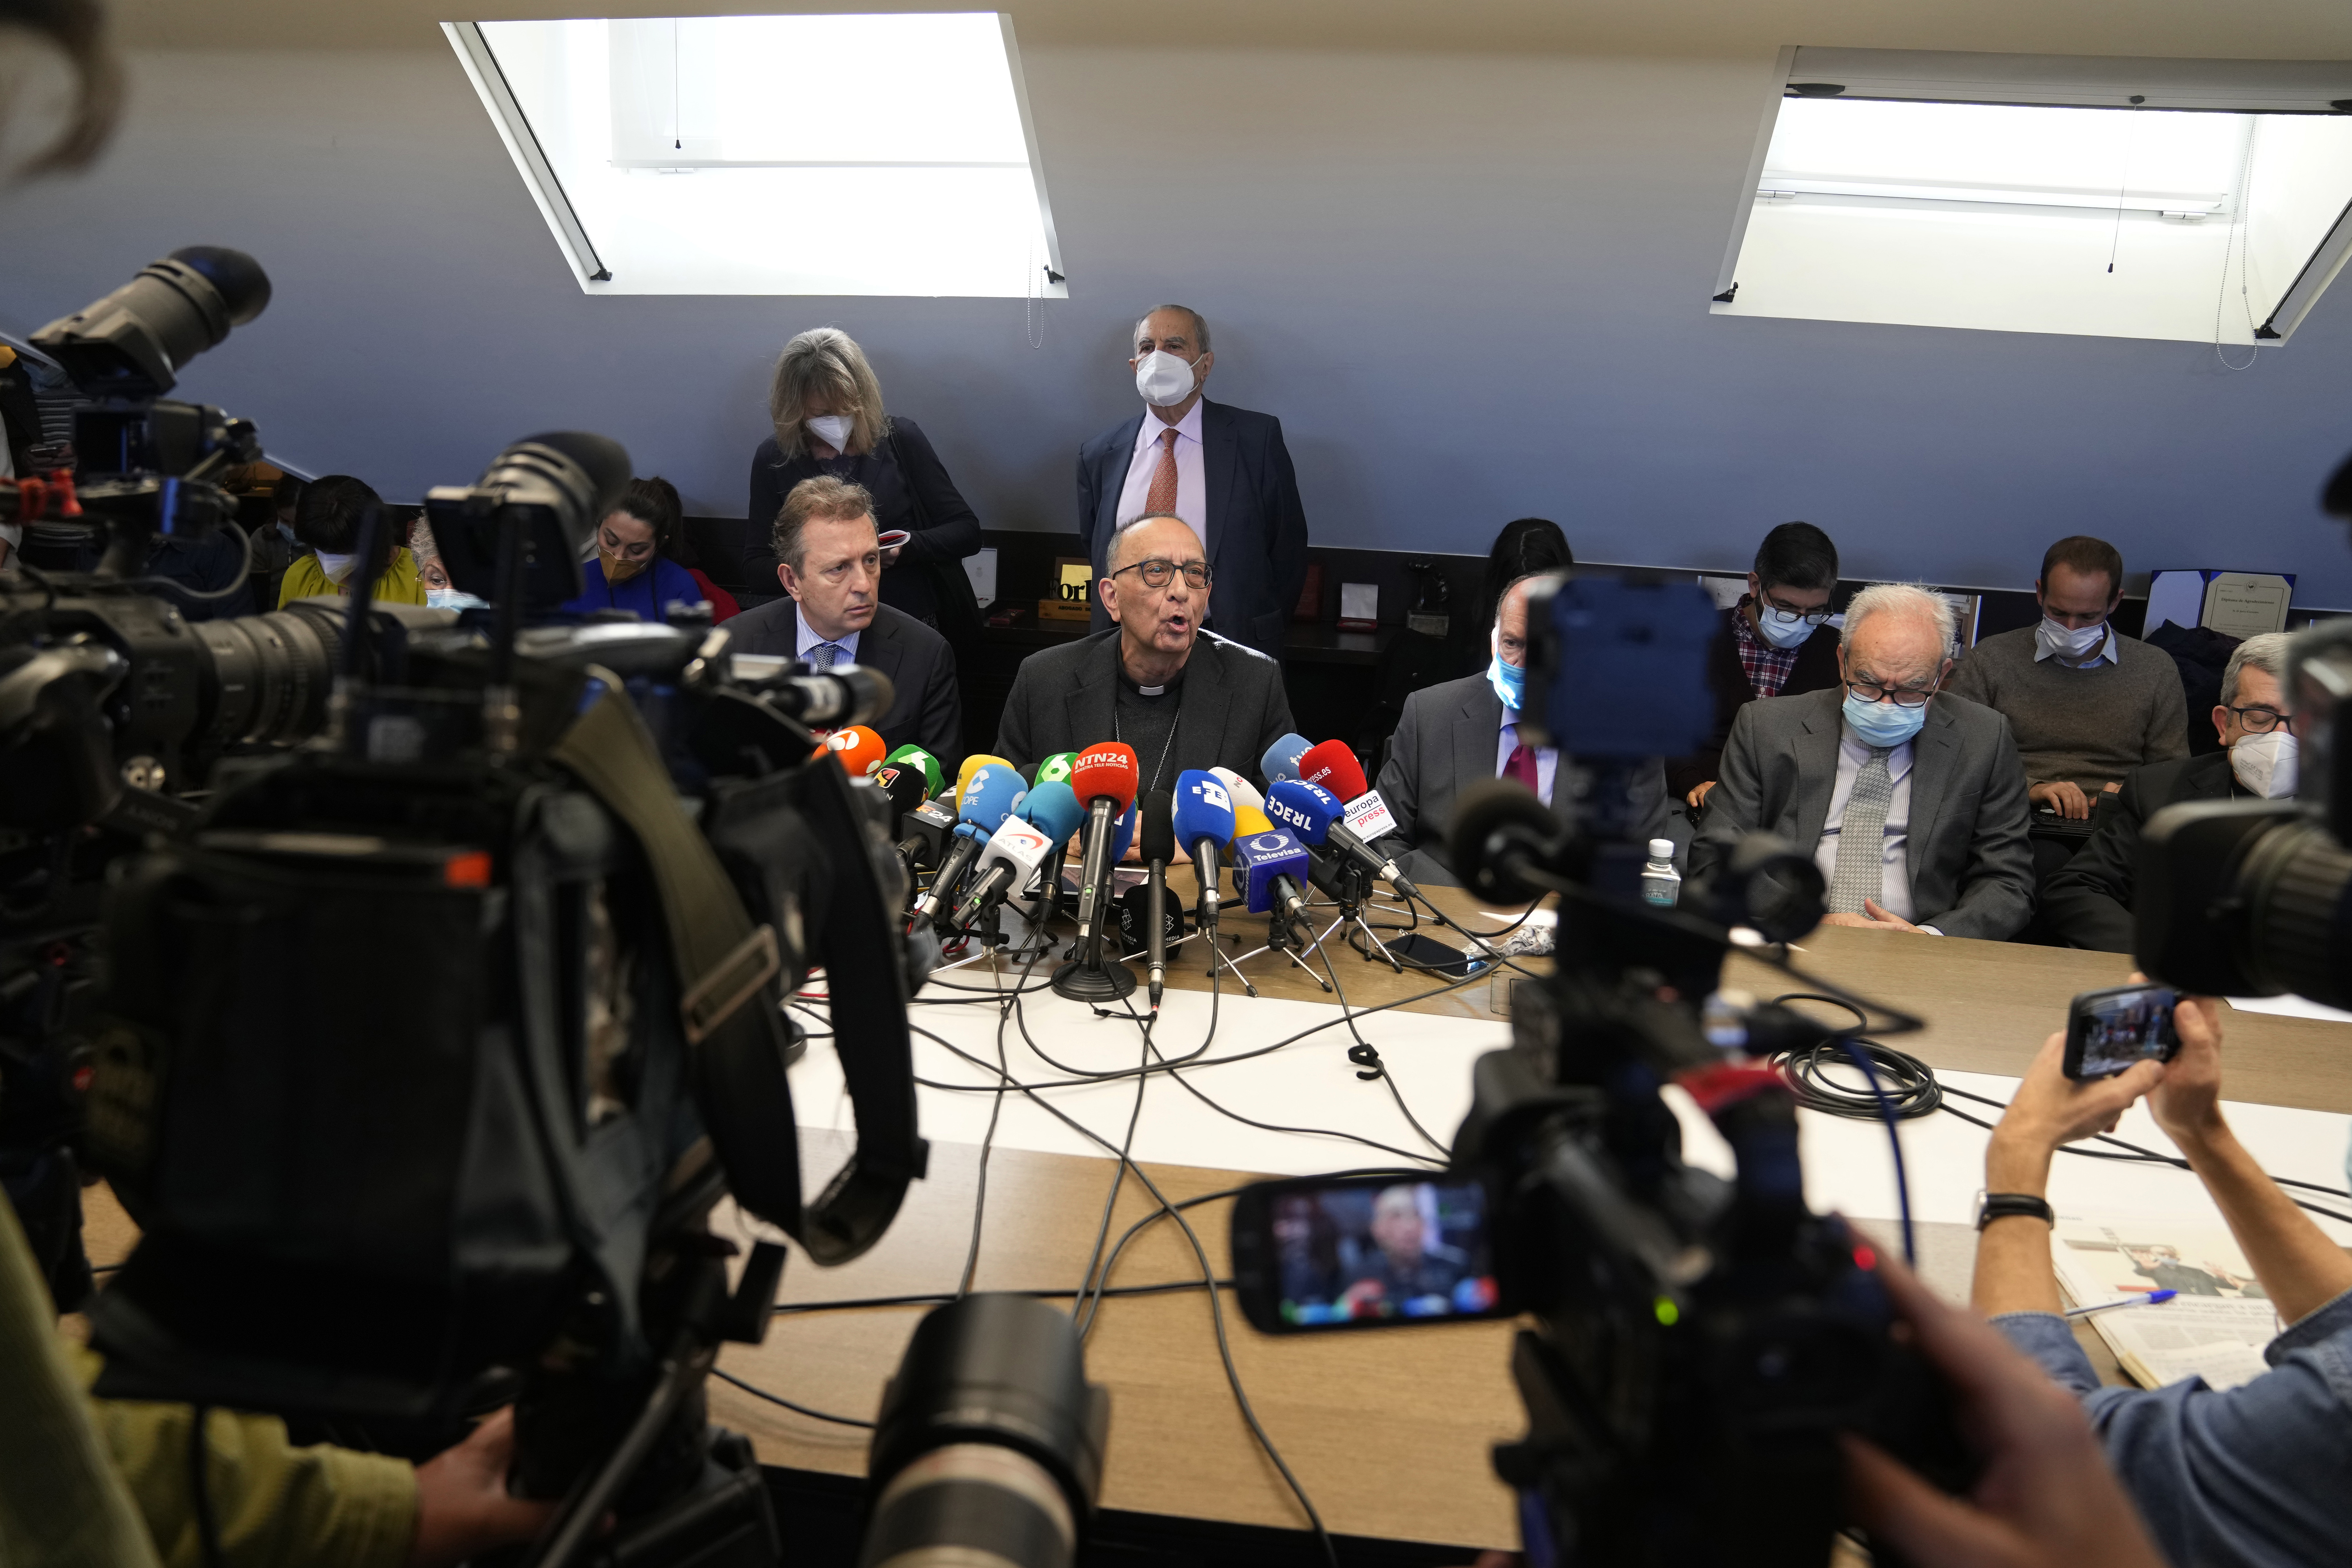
[2267,764]
[337,566]
[1163,379]
[832,429]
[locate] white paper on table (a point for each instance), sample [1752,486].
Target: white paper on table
[1360,602]
[2247,603]
[2291,1007]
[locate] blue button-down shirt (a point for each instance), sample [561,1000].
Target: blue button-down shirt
[2260,1474]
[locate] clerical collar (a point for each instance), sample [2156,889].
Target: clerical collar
[1139,689]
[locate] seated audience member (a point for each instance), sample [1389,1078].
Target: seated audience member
[1407,1271]
[655,501]
[631,571]
[1775,642]
[327,518]
[1458,732]
[2087,902]
[2086,704]
[2252,1475]
[1912,804]
[1182,698]
[829,562]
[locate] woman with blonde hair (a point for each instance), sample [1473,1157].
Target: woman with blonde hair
[826,406]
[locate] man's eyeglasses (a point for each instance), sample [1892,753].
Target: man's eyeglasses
[1160,573]
[2259,720]
[1780,617]
[1901,696]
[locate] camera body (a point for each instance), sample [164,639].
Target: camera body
[2254,897]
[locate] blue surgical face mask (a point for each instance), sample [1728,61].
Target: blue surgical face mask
[1782,634]
[1509,680]
[1884,724]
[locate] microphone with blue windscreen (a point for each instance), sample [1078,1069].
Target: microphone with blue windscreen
[1281,759]
[989,795]
[1204,824]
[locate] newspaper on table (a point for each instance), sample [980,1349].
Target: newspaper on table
[2215,1328]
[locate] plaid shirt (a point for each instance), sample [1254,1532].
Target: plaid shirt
[1767,667]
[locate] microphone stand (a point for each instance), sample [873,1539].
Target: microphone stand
[1280,938]
[1089,977]
[1209,905]
[1352,890]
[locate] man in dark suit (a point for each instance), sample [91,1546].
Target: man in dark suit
[1912,804]
[1223,470]
[1775,642]
[830,564]
[2087,902]
[1456,733]
[1182,698]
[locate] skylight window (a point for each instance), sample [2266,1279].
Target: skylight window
[2162,214]
[772,155]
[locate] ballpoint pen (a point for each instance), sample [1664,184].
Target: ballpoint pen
[2151,1298]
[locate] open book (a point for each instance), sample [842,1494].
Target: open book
[2214,1328]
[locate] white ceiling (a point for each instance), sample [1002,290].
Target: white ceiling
[2265,29]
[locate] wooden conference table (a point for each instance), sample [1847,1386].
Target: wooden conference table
[1388,1432]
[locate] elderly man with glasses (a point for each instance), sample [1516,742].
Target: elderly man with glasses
[2087,902]
[1912,803]
[1184,698]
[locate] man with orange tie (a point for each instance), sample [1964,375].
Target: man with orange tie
[1223,470]
[1457,732]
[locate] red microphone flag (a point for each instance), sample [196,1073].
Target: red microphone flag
[1334,767]
[1109,769]
[857,748]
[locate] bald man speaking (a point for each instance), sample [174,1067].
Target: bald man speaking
[1182,698]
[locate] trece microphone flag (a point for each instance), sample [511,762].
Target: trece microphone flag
[858,749]
[914,756]
[989,794]
[1281,759]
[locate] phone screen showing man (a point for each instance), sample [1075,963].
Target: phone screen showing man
[2109,1030]
[1367,1252]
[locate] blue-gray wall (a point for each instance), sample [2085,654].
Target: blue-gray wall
[1473,287]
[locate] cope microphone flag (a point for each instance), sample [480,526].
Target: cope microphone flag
[1104,778]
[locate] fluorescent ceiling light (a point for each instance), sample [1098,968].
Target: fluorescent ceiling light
[767,155]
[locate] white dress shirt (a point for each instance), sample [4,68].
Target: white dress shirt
[1546,756]
[1192,482]
[847,642]
[1894,879]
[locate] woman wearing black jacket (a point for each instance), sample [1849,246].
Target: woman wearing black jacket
[827,410]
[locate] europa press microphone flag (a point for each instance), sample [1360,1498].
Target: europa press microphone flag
[1364,818]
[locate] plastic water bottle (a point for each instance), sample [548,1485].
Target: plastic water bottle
[1661,883]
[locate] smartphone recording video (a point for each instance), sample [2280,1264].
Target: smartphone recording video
[1362,1252]
[2106,1031]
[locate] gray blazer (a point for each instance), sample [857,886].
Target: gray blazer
[1446,741]
[924,710]
[1232,706]
[1971,868]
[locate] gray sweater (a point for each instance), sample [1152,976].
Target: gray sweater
[2091,724]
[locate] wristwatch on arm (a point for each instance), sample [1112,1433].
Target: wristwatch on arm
[1992,1206]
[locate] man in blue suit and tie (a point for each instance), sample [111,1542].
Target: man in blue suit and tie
[1223,470]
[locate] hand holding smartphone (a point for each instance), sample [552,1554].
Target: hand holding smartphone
[2107,1031]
